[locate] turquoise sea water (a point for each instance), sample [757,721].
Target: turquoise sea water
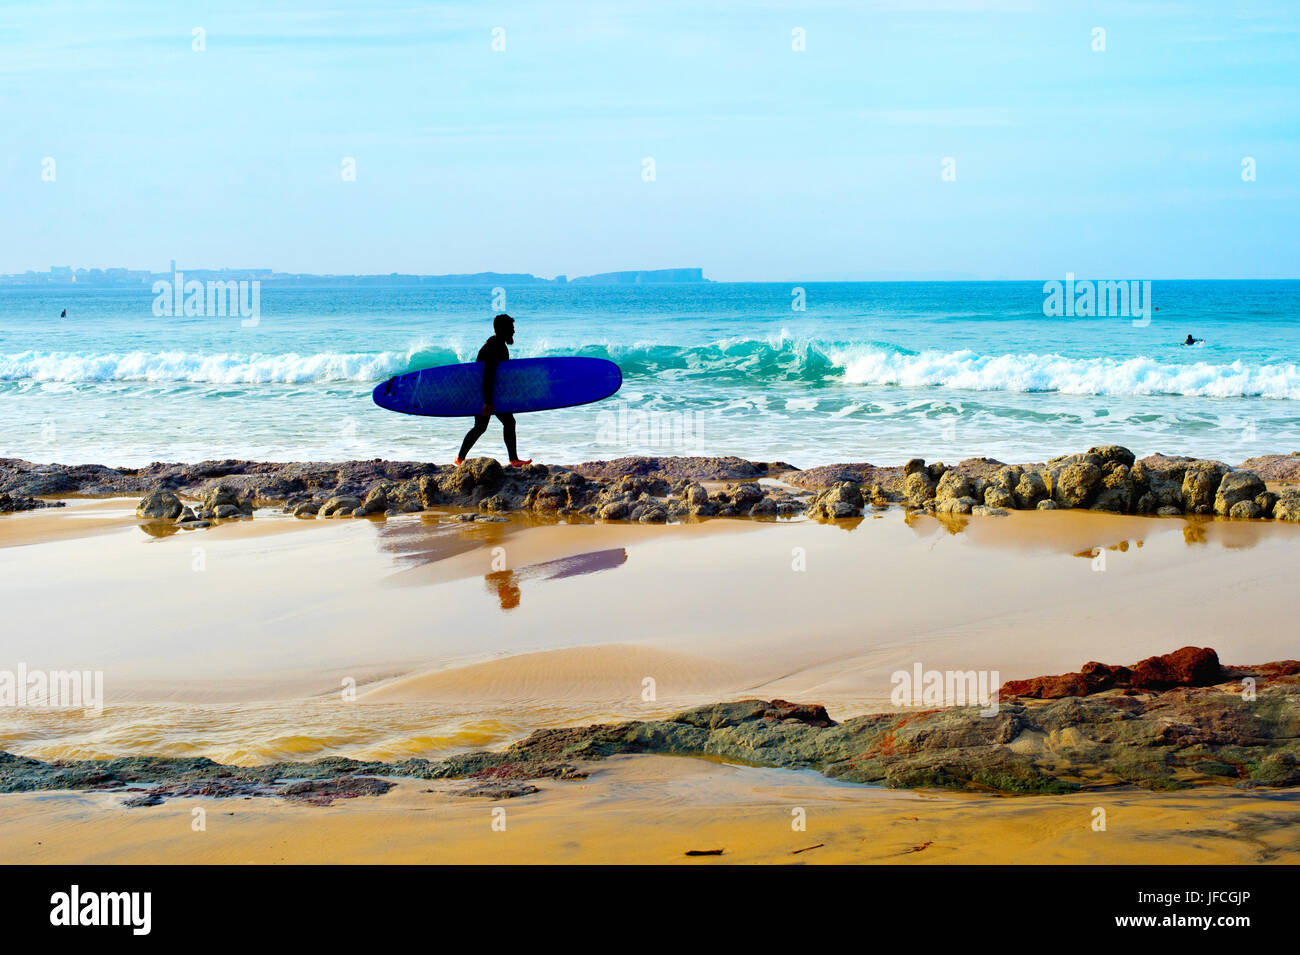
[865,372]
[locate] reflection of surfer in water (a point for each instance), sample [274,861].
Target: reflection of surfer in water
[492,354]
[1192,341]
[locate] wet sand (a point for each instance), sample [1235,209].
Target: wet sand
[653,809]
[243,642]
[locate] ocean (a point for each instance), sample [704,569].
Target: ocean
[809,374]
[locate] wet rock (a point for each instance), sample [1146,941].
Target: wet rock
[1047,504]
[497,789]
[984,510]
[1245,510]
[1287,506]
[160,505]
[342,502]
[225,512]
[841,501]
[1115,490]
[954,484]
[306,509]
[1237,487]
[1030,490]
[1075,483]
[693,494]
[1200,484]
[10,503]
[376,502]
[918,488]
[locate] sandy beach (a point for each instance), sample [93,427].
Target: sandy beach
[425,635]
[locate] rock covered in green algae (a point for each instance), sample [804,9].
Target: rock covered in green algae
[1156,739]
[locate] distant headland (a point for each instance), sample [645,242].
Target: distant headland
[66,275]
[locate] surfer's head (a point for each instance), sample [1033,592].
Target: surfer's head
[504,327]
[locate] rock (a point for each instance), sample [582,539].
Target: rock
[484,472]
[1169,511]
[1200,484]
[652,514]
[914,466]
[955,505]
[1164,723]
[1111,454]
[1047,504]
[1074,484]
[918,488]
[983,510]
[694,494]
[1158,483]
[11,503]
[1237,487]
[341,502]
[160,505]
[954,485]
[1115,492]
[1030,490]
[225,512]
[1287,506]
[376,502]
[841,501]
[1266,500]
[1245,510]
[1190,666]
[999,497]
[306,509]
[219,495]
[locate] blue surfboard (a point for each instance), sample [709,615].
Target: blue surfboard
[522,384]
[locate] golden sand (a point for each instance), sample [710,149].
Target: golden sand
[653,809]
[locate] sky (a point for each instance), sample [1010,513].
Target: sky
[516,137]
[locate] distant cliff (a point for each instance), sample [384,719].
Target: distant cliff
[643,277]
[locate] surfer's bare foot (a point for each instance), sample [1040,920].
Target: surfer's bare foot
[458,462]
[519,464]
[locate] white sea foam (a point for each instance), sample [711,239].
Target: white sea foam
[1077,376]
[753,362]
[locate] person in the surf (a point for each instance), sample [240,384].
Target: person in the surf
[1192,341]
[492,354]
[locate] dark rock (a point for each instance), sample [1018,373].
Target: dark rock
[160,505]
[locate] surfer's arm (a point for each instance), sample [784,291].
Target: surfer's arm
[489,380]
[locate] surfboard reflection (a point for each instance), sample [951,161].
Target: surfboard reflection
[505,583]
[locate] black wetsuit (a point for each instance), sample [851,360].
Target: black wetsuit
[492,354]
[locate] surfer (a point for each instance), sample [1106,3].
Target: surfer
[1192,341]
[492,354]
[64,314]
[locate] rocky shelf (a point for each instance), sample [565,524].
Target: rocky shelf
[1168,722]
[661,489]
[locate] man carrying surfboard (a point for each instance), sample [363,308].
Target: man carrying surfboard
[492,354]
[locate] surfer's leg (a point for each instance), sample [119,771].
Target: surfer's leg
[508,428]
[476,432]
